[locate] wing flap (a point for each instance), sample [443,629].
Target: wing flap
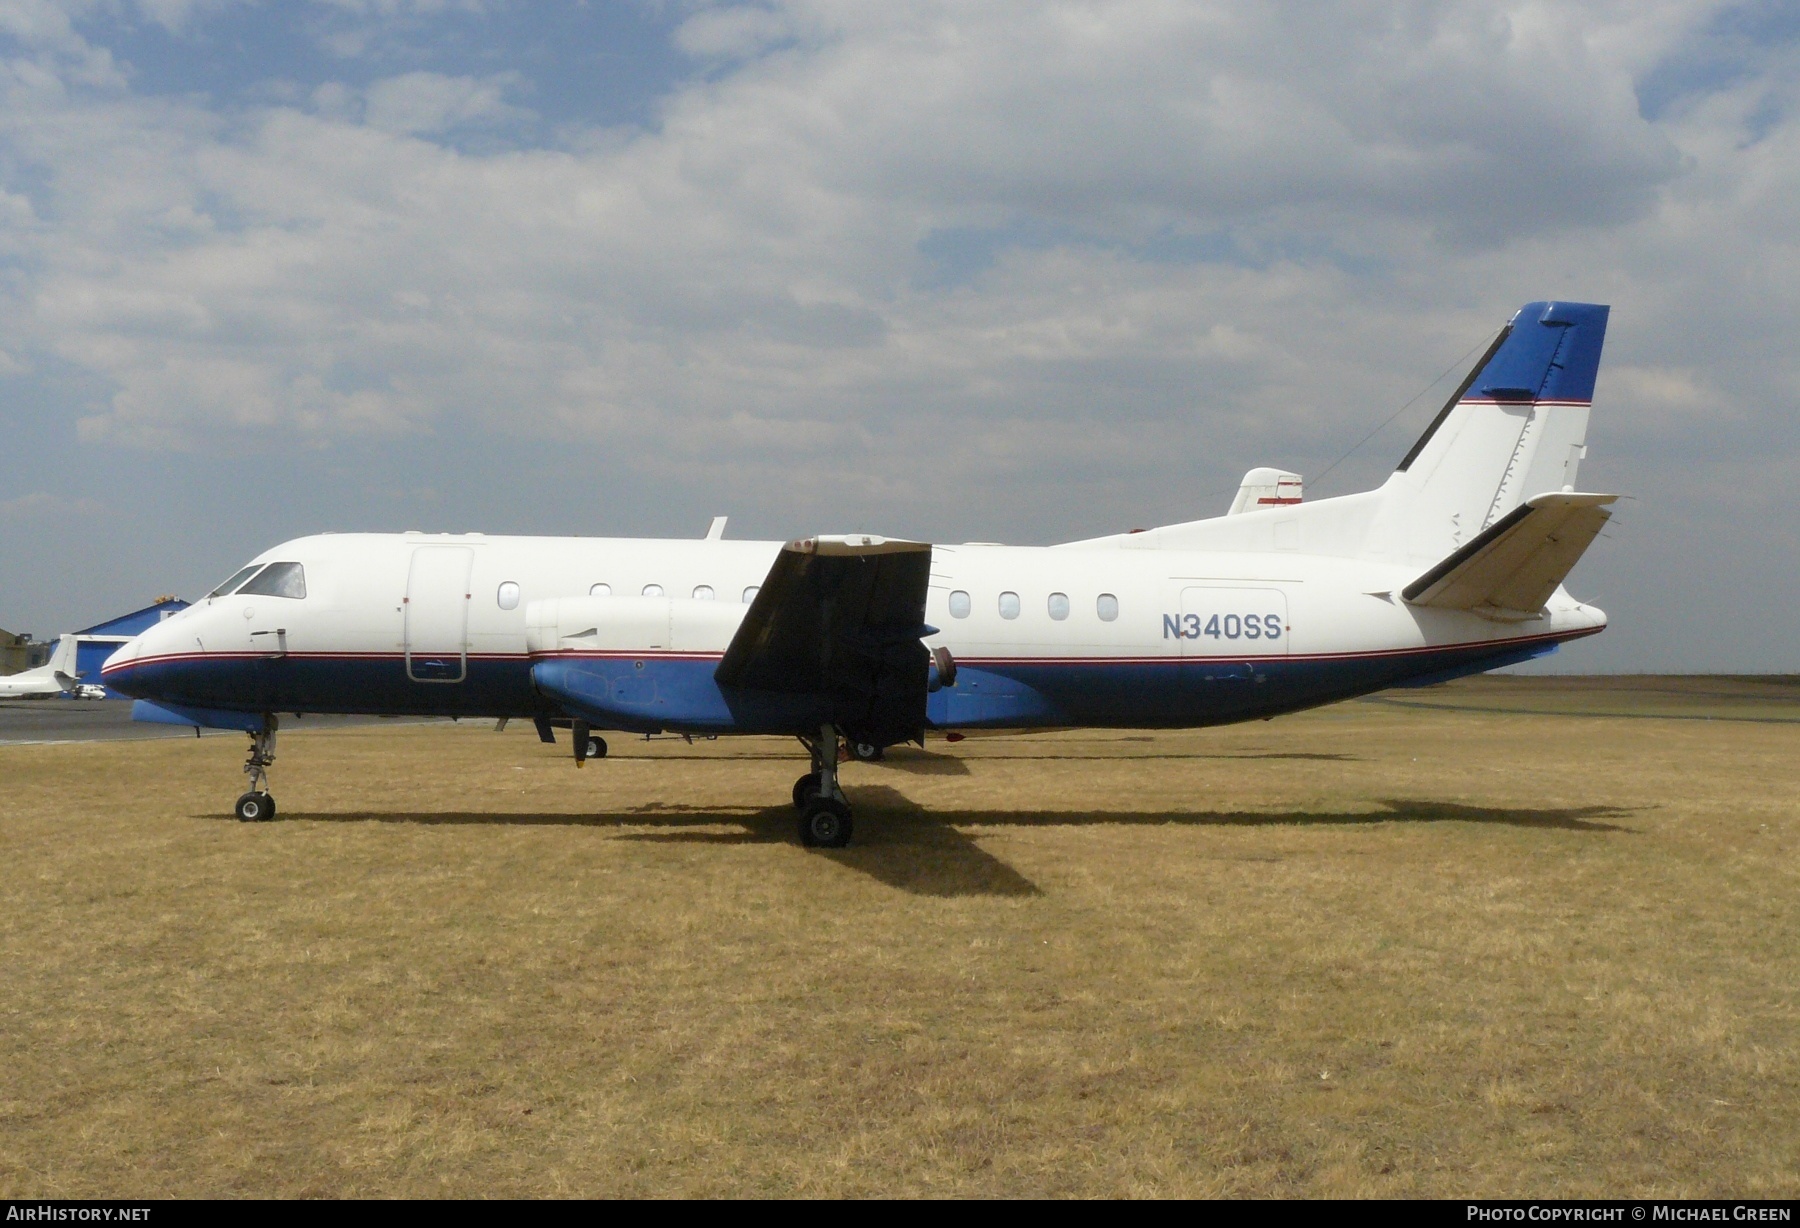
[1508,572]
[841,618]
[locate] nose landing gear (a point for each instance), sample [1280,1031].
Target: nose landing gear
[257,806]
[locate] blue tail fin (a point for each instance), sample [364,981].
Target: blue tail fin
[1517,427]
[1546,352]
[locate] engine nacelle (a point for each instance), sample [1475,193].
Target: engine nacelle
[631,624]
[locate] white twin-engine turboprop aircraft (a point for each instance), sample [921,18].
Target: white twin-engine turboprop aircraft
[57,676]
[1453,566]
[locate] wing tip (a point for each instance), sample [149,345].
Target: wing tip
[844,544]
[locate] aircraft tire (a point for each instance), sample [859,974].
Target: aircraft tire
[825,824]
[596,747]
[866,752]
[805,789]
[255,808]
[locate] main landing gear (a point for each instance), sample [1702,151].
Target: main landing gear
[824,814]
[588,744]
[257,806]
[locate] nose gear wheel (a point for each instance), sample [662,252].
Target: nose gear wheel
[256,806]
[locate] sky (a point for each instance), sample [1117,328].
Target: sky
[975,271]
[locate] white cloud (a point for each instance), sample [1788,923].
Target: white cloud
[178,15]
[737,31]
[420,102]
[41,505]
[1193,238]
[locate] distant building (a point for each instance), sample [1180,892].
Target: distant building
[100,641]
[19,653]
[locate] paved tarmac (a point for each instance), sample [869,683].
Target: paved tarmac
[76,720]
[25,721]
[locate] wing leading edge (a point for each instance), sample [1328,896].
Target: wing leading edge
[842,619]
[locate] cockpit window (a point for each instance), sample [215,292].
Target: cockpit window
[236,580]
[278,580]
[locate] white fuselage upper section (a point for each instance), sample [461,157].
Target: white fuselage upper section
[988,602]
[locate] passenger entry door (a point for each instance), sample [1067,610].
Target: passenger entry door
[1244,624]
[437,613]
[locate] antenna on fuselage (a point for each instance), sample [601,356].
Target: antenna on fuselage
[717,531]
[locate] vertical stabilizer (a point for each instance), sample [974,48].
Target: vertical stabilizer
[62,663]
[1517,427]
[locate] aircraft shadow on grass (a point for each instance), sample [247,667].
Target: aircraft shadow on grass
[926,763]
[903,845]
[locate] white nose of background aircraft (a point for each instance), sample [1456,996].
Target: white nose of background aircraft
[1452,566]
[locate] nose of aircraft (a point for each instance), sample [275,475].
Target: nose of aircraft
[125,671]
[116,670]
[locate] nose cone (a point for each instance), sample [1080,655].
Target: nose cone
[127,653]
[116,671]
[125,671]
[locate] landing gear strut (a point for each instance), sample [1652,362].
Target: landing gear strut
[257,806]
[824,814]
[588,745]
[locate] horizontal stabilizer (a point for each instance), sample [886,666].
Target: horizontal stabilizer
[1508,572]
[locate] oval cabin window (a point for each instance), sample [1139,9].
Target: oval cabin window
[1059,606]
[959,604]
[750,593]
[600,590]
[1107,607]
[703,592]
[652,590]
[508,596]
[1009,605]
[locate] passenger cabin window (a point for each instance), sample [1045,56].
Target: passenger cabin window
[959,604]
[600,590]
[225,588]
[1009,605]
[1059,606]
[508,596]
[703,592]
[750,593]
[278,580]
[1107,607]
[652,590]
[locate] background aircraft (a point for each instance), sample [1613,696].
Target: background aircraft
[57,676]
[1454,565]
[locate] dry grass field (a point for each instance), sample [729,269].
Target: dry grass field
[1510,936]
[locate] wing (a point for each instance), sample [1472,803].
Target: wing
[841,619]
[1509,570]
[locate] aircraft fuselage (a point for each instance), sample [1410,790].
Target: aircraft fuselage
[441,625]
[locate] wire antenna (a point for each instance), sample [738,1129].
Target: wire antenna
[1455,366]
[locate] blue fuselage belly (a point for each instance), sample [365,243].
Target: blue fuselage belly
[650,694]
[362,685]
